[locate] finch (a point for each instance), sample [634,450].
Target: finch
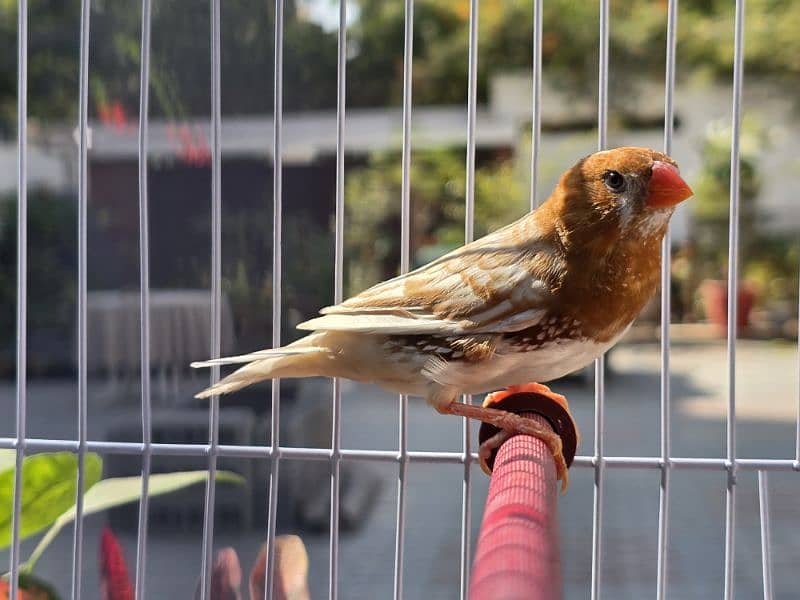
[530,302]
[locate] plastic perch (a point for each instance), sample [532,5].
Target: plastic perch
[518,548]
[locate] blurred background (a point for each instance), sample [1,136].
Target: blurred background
[180,269]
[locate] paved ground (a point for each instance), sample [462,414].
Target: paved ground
[767,385]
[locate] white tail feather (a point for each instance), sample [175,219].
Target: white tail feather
[303,358]
[259,355]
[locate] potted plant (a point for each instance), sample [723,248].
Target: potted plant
[710,224]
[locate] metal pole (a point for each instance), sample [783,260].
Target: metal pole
[144,299]
[22,285]
[336,411]
[733,289]
[405,264]
[766,545]
[83,195]
[536,108]
[518,549]
[277,276]
[216,293]
[666,310]
[599,365]
[469,235]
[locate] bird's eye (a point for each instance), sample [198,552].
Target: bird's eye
[614,181]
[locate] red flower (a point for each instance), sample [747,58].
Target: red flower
[118,118]
[114,581]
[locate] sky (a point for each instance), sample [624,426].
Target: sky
[326,12]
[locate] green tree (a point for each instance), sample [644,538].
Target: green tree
[711,204]
[438,188]
[52,264]
[180,67]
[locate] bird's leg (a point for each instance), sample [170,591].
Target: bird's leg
[511,424]
[441,397]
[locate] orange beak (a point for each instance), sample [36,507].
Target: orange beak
[667,188]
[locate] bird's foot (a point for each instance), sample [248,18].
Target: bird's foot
[511,424]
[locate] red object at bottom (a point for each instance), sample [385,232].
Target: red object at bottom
[518,551]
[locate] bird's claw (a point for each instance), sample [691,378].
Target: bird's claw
[509,425]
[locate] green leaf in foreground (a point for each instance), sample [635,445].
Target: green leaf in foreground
[7,459]
[49,482]
[30,587]
[117,491]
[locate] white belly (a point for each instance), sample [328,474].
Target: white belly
[509,366]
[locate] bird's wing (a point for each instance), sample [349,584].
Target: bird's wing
[500,283]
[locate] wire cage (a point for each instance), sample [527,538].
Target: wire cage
[275,454]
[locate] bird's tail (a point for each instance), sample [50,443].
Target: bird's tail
[299,359]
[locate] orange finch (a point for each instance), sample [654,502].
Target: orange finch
[533,301]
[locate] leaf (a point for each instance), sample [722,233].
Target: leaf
[30,588]
[49,482]
[117,491]
[8,459]
[36,588]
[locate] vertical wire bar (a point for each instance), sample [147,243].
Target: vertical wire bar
[144,306]
[666,312]
[83,118]
[216,294]
[766,544]
[733,272]
[536,108]
[277,220]
[405,260]
[797,415]
[469,235]
[22,282]
[599,365]
[338,284]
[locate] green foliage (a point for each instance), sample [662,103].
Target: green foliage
[767,261]
[711,202]
[180,57]
[307,268]
[30,588]
[438,189]
[52,263]
[117,491]
[772,45]
[8,459]
[48,490]
[772,271]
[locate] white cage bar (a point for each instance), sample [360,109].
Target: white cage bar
[277,266]
[598,462]
[766,544]
[144,291]
[83,192]
[733,286]
[599,365]
[22,283]
[338,296]
[405,263]
[469,235]
[666,312]
[216,296]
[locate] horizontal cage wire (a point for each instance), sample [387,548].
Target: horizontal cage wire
[276,454]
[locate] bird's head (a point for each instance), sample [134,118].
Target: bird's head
[628,191]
